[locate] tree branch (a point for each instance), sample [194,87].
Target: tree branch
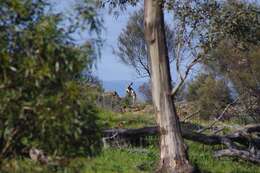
[243,154]
[220,116]
[241,138]
[190,116]
[183,77]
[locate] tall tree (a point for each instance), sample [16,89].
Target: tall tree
[173,155]
[132,49]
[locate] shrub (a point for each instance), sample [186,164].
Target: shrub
[209,94]
[65,124]
[42,103]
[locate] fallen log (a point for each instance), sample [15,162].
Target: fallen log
[239,136]
[245,155]
[151,131]
[239,140]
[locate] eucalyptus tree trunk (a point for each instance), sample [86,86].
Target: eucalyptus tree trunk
[173,155]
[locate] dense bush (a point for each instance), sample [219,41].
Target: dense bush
[234,54]
[210,95]
[65,123]
[42,102]
[242,68]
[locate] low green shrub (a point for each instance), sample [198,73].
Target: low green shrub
[209,95]
[43,103]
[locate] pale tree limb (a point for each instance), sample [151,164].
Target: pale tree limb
[220,116]
[218,130]
[243,154]
[183,40]
[240,136]
[8,142]
[184,76]
[190,116]
[240,143]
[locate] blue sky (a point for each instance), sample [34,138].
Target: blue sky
[109,68]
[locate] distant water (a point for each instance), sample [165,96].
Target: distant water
[120,86]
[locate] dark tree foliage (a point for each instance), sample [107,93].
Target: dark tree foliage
[236,20]
[117,3]
[235,54]
[132,49]
[209,95]
[42,102]
[216,20]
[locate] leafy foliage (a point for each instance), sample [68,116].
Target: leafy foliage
[228,41]
[237,20]
[132,48]
[209,94]
[236,52]
[42,104]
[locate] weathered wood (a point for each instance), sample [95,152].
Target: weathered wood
[245,155]
[190,116]
[220,116]
[250,128]
[173,155]
[125,133]
[236,136]
[241,136]
[128,134]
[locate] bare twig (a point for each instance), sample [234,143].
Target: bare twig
[218,130]
[8,142]
[112,137]
[185,75]
[220,116]
[190,116]
[243,154]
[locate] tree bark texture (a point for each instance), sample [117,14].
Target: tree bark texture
[173,155]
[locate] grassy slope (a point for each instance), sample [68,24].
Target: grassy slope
[125,120]
[201,155]
[132,160]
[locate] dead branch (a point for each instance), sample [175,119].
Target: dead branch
[245,155]
[218,130]
[190,116]
[181,41]
[236,136]
[184,76]
[220,116]
[251,128]
[8,142]
[237,142]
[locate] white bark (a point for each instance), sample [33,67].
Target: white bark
[173,157]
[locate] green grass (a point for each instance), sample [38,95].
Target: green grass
[131,160]
[134,160]
[110,119]
[121,161]
[202,156]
